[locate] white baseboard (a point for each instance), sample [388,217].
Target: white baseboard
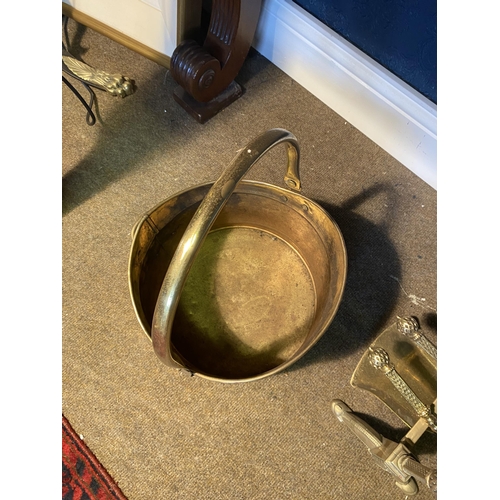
[388,111]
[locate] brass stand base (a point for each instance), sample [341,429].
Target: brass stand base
[400,368]
[203,111]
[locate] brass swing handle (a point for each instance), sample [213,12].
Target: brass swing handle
[205,71]
[199,227]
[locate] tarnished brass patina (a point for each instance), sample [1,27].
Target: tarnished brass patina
[117,85]
[236,280]
[395,458]
[400,368]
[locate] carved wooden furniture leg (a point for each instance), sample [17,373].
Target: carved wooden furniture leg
[205,74]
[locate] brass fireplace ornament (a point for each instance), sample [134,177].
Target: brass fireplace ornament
[114,84]
[91,78]
[400,368]
[236,280]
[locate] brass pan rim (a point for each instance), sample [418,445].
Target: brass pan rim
[319,226]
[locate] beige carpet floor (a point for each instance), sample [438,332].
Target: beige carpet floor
[164,435]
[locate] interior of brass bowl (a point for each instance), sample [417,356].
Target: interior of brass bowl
[264,287]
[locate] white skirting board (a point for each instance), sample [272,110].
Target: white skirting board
[388,111]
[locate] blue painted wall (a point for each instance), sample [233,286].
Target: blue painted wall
[401,35]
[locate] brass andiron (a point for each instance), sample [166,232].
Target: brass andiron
[206,73]
[400,368]
[379,359]
[116,85]
[90,77]
[409,326]
[395,458]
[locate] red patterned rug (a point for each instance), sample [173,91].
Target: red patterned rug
[83,477]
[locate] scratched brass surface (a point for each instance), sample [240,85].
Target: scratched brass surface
[264,287]
[162,435]
[417,368]
[248,304]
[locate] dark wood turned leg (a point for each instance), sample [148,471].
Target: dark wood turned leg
[206,73]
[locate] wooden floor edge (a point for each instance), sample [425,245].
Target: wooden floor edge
[115,35]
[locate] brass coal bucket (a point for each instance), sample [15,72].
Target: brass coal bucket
[236,280]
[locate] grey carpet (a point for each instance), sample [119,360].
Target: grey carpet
[165,435]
